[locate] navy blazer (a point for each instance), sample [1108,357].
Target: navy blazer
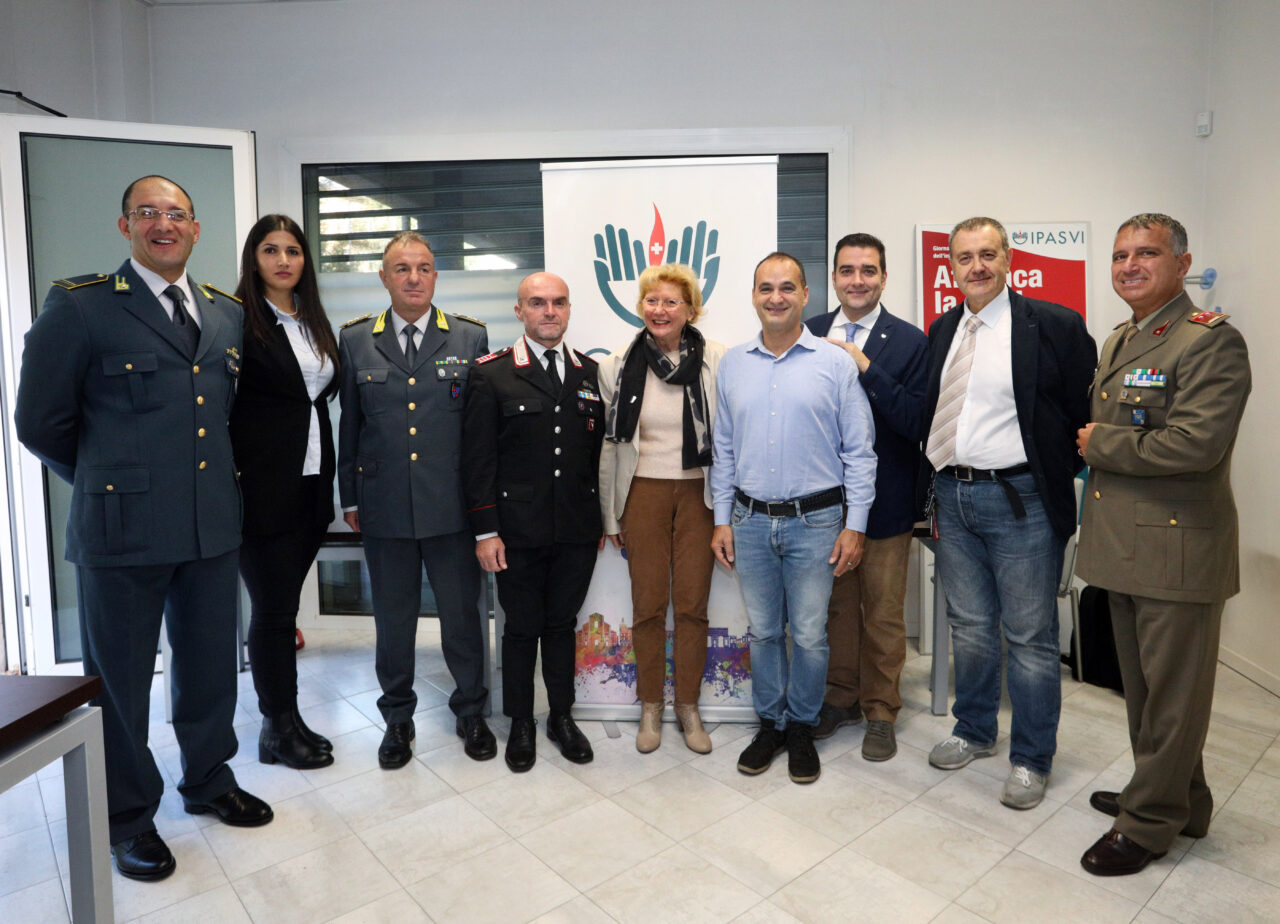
[895,385]
[270,424]
[1053,362]
[110,401]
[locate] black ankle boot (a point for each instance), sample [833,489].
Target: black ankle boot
[282,741]
[316,740]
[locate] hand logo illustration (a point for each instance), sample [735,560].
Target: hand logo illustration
[620,258]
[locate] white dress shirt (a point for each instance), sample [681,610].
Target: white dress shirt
[157,284]
[864,326]
[317,373]
[987,434]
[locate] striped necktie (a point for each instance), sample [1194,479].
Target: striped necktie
[941,446]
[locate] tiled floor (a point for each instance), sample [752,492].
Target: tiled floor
[669,836]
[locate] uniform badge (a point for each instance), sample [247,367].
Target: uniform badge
[455,389]
[122,284]
[591,424]
[1145,378]
[588,395]
[1139,416]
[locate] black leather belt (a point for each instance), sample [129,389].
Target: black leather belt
[998,475]
[968,473]
[795,506]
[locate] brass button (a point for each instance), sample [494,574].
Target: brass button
[128,366]
[1097,495]
[1104,396]
[1173,522]
[200,432]
[199,399]
[360,468]
[413,431]
[412,406]
[368,378]
[413,457]
[412,380]
[1137,399]
[195,370]
[111,487]
[203,465]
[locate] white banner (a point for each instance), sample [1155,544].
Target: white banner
[604,222]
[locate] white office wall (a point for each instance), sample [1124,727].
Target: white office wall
[46,53]
[1242,202]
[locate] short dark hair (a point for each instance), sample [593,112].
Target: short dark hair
[1177,233]
[858,239]
[128,191]
[779,255]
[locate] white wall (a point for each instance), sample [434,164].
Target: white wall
[46,53]
[1242,193]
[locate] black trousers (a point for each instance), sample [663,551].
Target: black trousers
[395,573]
[273,568]
[120,612]
[541,592]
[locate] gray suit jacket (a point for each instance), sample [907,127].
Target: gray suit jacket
[109,401]
[1159,516]
[400,434]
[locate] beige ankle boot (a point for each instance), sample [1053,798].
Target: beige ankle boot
[695,736]
[650,734]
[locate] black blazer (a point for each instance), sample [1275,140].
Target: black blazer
[895,384]
[1053,362]
[269,425]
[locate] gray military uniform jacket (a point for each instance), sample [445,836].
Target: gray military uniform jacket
[1159,517]
[400,434]
[110,402]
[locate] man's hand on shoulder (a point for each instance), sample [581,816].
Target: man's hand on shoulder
[859,357]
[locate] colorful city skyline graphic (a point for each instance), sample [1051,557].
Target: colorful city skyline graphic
[606,663]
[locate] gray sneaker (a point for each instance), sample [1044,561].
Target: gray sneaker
[1024,789]
[955,752]
[880,742]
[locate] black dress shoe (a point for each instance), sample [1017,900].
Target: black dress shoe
[395,750]
[282,741]
[478,741]
[1113,854]
[1108,803]
[522,745]
[144,857]
[236,807]
[317,740]
[574,745]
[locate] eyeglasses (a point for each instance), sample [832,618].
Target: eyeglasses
[147,213]
[668,303]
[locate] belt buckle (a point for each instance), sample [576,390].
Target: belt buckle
[964,473]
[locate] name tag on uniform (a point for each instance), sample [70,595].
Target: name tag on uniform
[1144,378]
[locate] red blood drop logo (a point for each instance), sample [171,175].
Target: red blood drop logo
[657,240]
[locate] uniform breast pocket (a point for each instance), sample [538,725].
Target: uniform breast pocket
[452,376]
[590,410]
[136,374]
[1143,407]
[117,510]
[515,407]
[374,395]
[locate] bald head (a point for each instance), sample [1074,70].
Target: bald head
[542,305]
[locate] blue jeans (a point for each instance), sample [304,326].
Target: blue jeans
[1000,574]
[784,575]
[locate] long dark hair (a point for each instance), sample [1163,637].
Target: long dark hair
[258,315]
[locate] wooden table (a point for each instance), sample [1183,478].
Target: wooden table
[42,719]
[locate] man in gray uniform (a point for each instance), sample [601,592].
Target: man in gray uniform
[126,383]
[404,381]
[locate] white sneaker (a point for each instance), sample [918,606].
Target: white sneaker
[955,752]
[1024,789]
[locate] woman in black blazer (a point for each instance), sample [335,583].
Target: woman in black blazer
[283,444]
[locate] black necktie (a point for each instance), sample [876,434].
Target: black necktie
[552,372]
[185,325]
[410,348]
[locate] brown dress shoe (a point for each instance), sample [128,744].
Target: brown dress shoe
[1113,854]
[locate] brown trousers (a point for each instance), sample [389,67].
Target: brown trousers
[1168,656]
[866,632]
[668,540]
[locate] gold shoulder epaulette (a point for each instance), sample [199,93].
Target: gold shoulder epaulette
[363,317]
[205,285]
[76,282]
[464,317]
[1209,318]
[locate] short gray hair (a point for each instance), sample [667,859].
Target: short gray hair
[1145,220]
[974,224]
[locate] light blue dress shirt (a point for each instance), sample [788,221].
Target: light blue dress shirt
[792,425]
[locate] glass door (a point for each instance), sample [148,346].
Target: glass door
[60,186]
